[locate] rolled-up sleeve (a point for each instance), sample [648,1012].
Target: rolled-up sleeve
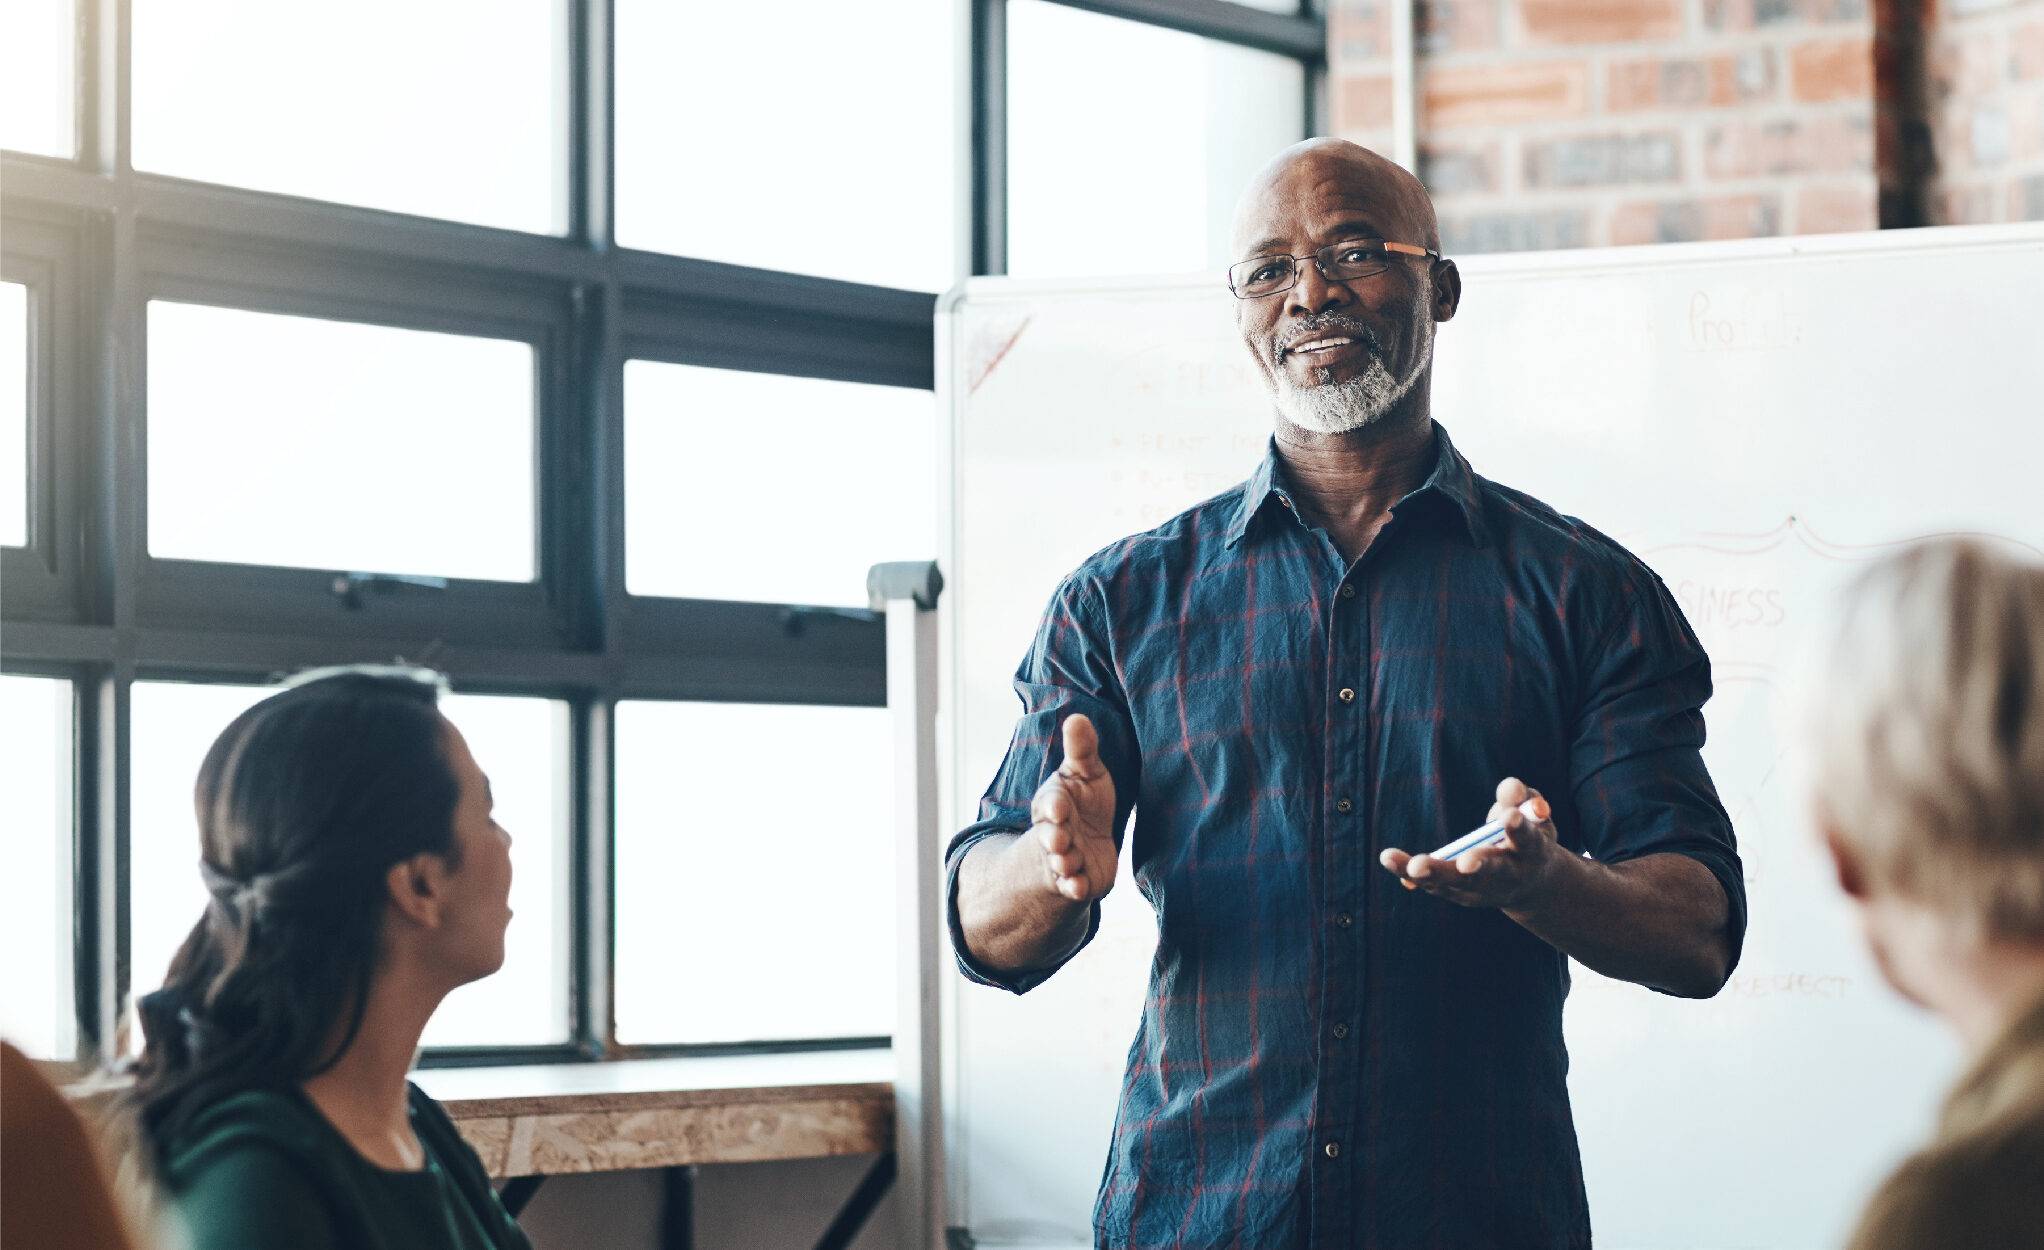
[1069,669]
[1636,758]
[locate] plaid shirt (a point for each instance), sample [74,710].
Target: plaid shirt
[1325,1059]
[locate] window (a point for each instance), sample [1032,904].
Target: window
[521,745]
[14,374]
[515,740]
[36,1013]
[853,482]
[38,75]
[755,878]
[359,447]
[581,350]
[451,109]
[173,726]
[828,143]
[1105,178]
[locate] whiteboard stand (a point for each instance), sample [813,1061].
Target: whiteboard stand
[908,592]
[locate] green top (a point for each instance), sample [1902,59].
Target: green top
[264,1170]
[1977,1185]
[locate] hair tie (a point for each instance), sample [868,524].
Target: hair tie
[242,898]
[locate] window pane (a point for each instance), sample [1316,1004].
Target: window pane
[38,77]
[522,744]
[775,825]
[335,445]
[13,414]
[450,109]
[519,742]
[1106,178]
[854,482]
[37,1011]
[813,136]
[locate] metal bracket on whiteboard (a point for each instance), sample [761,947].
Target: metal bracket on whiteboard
[904,579]
[907,592]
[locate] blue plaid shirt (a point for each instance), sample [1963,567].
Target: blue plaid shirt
[1325,1059]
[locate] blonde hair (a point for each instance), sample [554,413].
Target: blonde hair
[1926,718]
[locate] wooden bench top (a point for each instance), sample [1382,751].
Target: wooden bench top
[544,1120]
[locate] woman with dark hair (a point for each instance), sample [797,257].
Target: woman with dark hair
[357,876]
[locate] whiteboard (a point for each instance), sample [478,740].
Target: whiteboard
[1755,420]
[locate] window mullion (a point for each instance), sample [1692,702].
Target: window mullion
[591,149]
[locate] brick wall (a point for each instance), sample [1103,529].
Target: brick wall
[1568,123]
[1984,70]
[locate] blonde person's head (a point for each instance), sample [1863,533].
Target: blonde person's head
[1925,712]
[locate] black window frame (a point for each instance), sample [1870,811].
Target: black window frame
[95,241]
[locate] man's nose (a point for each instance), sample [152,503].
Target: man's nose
[1313,293]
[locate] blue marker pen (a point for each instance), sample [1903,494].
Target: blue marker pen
[1490,834]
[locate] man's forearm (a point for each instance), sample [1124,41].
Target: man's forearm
[1659,920]
[1013,918]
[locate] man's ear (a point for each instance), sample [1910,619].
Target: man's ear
[1447,290]
[1845,861]
[418,889]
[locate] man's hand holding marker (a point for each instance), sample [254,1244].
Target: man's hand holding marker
[1502,863]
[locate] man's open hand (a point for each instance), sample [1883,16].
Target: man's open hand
[1504,874]
[1073,813]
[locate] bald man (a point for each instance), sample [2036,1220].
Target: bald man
[1302,685]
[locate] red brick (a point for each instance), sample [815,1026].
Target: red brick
[1707,217]
[1445,27]
[1363,103]
[1972,66]
[1502,94]
[1358,33]
[1600,21]
[1836,209]
[2026,140]
[1966,205]
[1633,224]
[1832,69]
[2026,52]
[1380,141]
[1823,145]
[1690,82]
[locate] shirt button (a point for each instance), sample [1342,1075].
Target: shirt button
[1340,1031]
[1343,920]
[1333,1149]
[1342,805]
[1348,592]
[1346,695]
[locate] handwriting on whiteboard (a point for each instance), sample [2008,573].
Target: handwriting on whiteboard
[1751,319]
[1711,608]
[1825,986]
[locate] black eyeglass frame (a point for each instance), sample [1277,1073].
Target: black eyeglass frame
[1321,261]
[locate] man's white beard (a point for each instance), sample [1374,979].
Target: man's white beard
[1336,407]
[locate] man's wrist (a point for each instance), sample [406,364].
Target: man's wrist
[1558,871]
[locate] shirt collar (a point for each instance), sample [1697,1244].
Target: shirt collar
[1452,480]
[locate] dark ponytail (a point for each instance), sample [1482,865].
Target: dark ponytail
[304,803]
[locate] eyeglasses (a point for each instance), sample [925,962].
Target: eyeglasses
[1338,262]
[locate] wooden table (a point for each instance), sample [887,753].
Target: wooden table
[531,1122]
